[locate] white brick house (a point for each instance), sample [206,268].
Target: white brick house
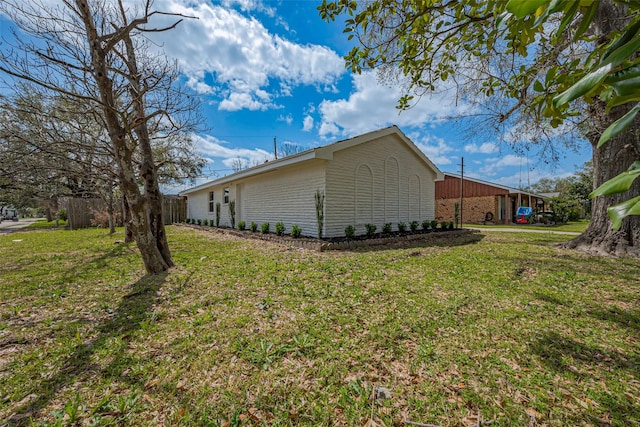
[378,177]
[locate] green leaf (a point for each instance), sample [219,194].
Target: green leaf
[619,125]
[619,183]
[623,39]
[568,17]
[537,86]
[622,210]
[622,53]
[597,76]
[583,86]
[586,19]
[522,8]
[630,72]
[619,100]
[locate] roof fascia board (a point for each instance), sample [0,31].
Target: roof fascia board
[254,171]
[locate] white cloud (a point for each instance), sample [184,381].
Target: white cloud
[250,6]
[307,123]
[494,164]
[225,49]
[288,119]
[485,148]
[372,106]
[213,148]
[435,148]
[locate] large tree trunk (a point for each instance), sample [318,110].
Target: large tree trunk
[612,158]
[143,222]
[609,160]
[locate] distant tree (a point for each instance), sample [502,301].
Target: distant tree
[98,52]
[545,185]
[580,185]
[288,149]
[238,164]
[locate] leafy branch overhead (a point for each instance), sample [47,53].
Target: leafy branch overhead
[612,73]
[548,58]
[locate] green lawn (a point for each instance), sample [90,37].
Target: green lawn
[506,326]
[43,223]
[573,226]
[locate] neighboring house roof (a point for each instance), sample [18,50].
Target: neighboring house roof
[325,153]
[511,190]
[550,195]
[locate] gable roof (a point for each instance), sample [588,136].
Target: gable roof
[325,153]
[511,190]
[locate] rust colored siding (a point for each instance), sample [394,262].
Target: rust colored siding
[450,189]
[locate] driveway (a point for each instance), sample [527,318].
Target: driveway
[7,226]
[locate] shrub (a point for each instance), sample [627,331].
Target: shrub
[371,229]
[386,227]
[188,221]
[319,197]
[425,224]
[199,222]
[414,225]
[402,227]
[295,231]
[434,224]
[279,228]
[242,225]
[264,228]
[444,225]
[211,223]
[253,226]
[62,214]
[350,232]
[452,225]
[232,213]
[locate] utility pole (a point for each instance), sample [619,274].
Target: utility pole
[461,186]
[275,148]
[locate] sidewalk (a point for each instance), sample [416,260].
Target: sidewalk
[524,230]
[8,226]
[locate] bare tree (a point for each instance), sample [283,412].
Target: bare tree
[238,164]
[97,52]
[288,149]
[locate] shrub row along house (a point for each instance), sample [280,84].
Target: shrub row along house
[375,178]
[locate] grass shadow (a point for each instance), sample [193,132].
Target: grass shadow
[555,351]
[627,318]
[134,308]
[563,355]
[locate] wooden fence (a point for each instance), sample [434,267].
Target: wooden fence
[84,213]
[174,209]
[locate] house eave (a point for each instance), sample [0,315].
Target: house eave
[270,166]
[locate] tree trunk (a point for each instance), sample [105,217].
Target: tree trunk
[614,157]
[111,212]
[126,219]
[148,170]
[150,238]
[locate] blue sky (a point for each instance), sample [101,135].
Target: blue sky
[268,69]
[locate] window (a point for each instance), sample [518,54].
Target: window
[211,204]
[226,195]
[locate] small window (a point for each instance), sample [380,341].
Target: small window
[226,195]
[211,204]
